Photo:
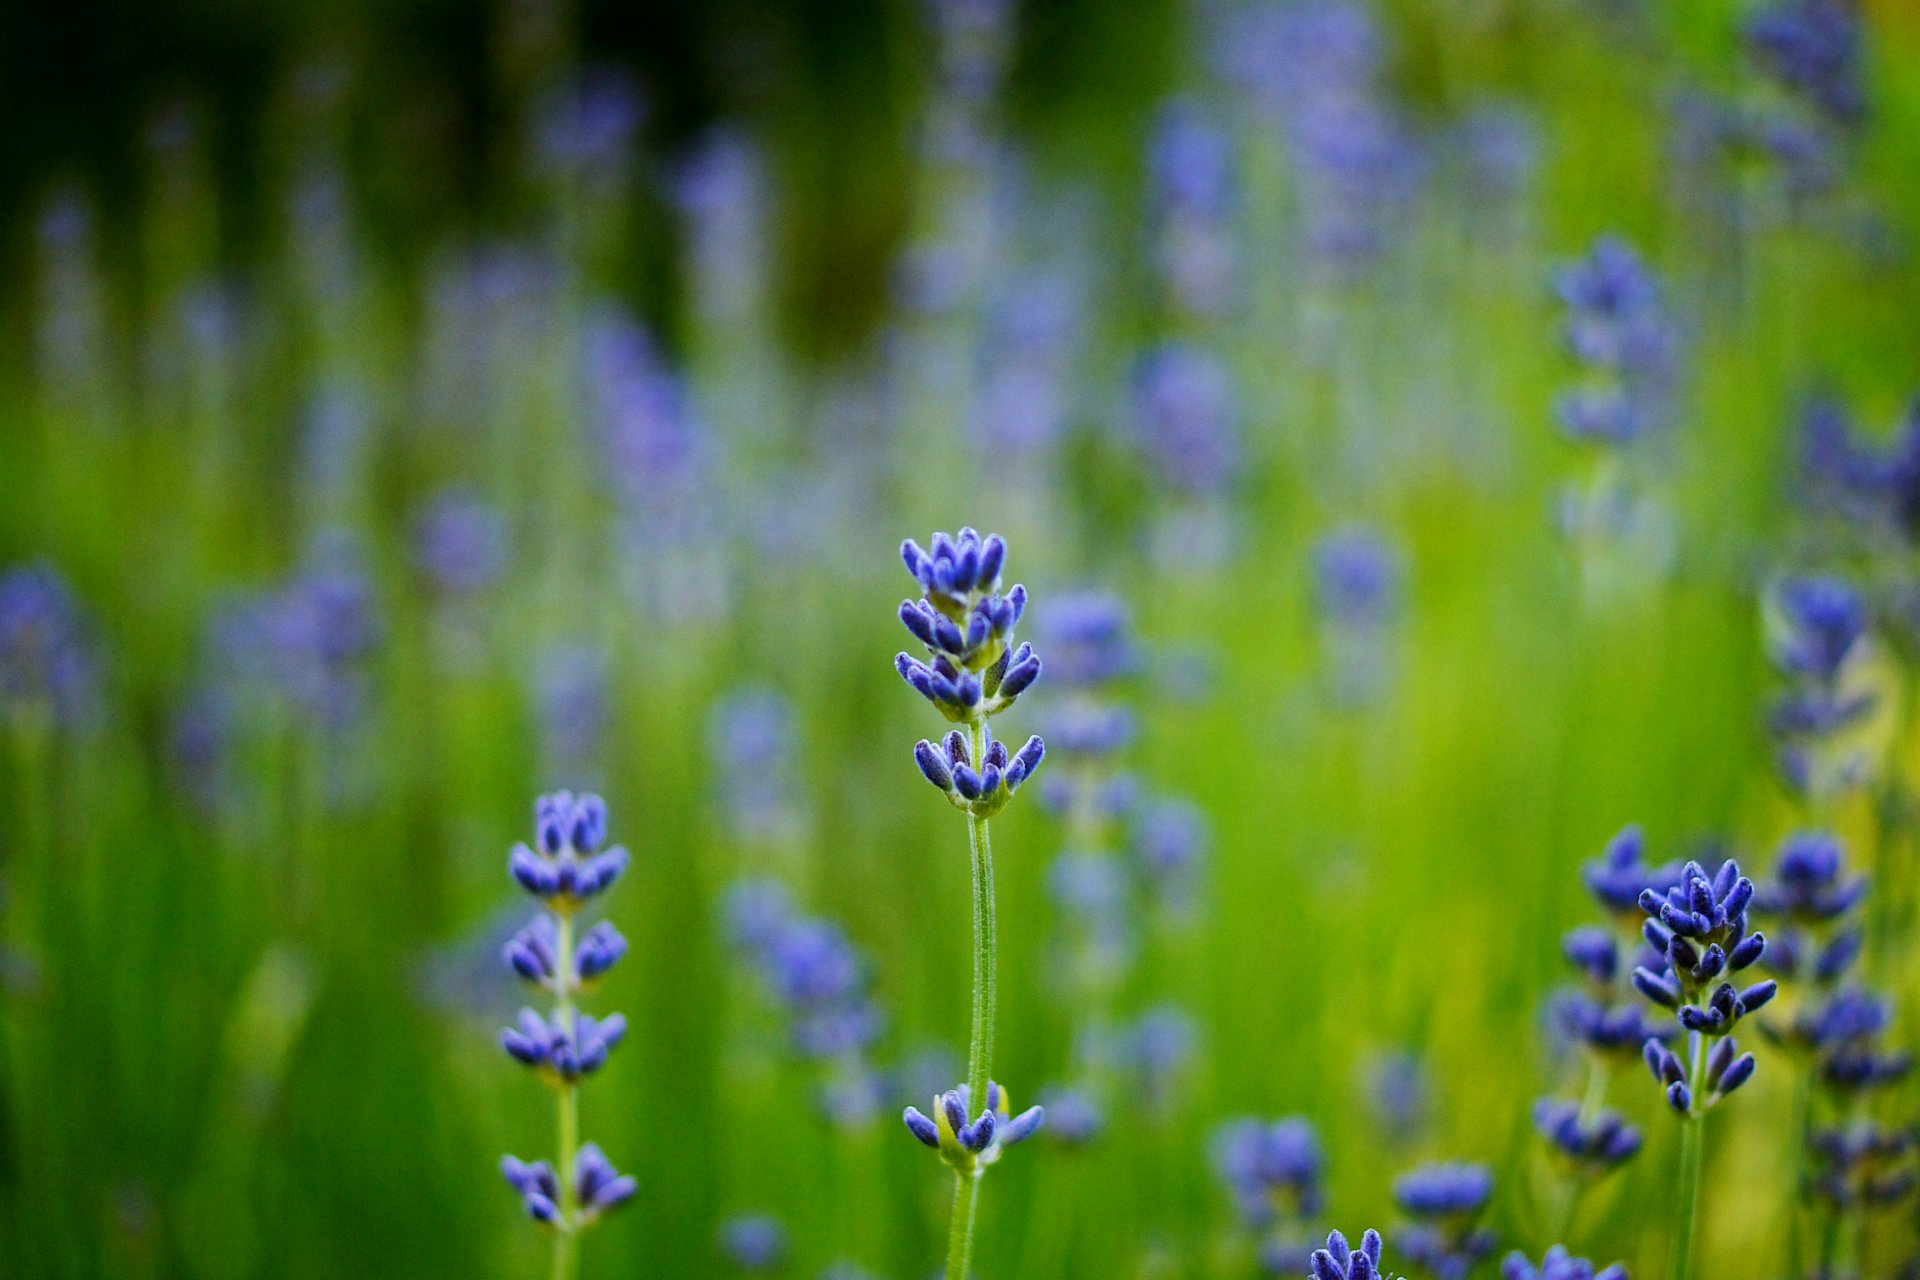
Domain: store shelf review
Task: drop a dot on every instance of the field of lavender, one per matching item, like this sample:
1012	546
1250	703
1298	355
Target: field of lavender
1424	738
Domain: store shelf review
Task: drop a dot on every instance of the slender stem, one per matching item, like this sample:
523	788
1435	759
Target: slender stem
966	1193
566	1235
966	1198
1598	1075
1691	1140
1796	1194
985	975
1829	1239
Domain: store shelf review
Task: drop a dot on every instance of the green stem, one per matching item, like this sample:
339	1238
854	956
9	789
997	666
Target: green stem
1802	1126
566	1234
966	1193
1692	1139
966	1198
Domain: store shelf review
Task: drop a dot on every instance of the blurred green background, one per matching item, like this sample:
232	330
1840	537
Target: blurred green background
277	277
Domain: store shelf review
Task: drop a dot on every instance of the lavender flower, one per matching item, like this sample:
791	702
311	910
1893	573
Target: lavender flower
973	671
565	868
1190	165
1621	874
1862	1166
460	543
1340	1261
821	983
1444	1201
46	655
1588	1146
1357	591
1398	1093
754	1242
1188	413
750	734
971	1146
586	128
571	697
1699	929
1074	1115
1618	332
597	1186
1170	841
1273	1170
1814	49
981	789
967	626
1557	1265
1821	631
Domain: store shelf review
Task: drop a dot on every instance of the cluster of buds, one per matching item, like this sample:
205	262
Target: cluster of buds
568	869
972	669
1557	1265
597	1186
1821	632
531	953
1699	929
563	1049
969	1146
983	790
1444	1202
1341	1261
1588	1146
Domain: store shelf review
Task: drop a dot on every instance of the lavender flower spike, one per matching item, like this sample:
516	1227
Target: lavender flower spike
564	1047
973	669
1341	1261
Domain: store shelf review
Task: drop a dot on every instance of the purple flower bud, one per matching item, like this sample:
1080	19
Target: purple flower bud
933	765
922	1128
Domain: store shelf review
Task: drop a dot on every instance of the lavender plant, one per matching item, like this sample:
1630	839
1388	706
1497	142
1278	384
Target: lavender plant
1274	1172
972	672
1699	930
566	869
1822	623
1341	1261
1600	1017
1620	337
1558	1264
1443	1203
820	981
1851	1165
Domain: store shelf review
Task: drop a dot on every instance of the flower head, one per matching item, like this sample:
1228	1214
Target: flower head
1443	1201
966	1145
1340	1261
1814	49
972	670
1557	1265
45	657
1271	1168
1618	877
982	789
566	866
563	1049
754	1242
1823	620
1699	928
1590	1147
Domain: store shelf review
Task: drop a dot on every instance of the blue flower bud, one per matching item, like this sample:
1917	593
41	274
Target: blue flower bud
1020	678
928	757
922	1128
1659	988
955	1110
